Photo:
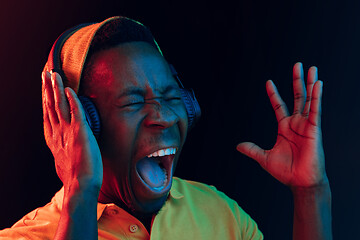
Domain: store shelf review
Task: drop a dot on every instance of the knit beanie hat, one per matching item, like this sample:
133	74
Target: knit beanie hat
70	51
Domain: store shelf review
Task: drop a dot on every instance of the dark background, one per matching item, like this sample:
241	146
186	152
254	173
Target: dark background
225	51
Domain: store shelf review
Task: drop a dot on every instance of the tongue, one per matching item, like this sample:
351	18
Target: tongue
151	172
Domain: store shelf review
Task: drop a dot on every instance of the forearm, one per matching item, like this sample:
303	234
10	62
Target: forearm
79	214
312	213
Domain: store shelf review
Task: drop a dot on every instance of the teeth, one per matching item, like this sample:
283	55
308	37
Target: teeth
163	152
167	151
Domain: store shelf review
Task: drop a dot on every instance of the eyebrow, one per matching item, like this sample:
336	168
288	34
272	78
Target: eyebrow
131	91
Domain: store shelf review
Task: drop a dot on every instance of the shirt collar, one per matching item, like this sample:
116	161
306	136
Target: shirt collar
174	193
59	196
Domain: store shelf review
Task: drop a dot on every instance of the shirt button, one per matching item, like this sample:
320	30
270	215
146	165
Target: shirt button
113	212
133	228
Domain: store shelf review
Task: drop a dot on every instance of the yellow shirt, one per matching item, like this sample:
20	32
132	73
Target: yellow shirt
192	211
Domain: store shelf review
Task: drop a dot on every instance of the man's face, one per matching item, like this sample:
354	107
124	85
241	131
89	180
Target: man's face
141	112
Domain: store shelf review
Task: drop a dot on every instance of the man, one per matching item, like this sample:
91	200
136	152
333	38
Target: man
121	185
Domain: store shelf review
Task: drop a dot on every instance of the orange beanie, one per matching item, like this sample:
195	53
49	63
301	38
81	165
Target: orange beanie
75	50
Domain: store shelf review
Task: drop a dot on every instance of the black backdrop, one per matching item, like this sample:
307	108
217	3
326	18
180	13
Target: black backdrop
225	50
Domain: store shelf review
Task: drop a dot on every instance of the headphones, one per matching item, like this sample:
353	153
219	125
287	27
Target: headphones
92	117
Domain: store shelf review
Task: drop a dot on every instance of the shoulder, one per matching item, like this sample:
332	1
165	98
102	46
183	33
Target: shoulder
206	198
195	205
40	223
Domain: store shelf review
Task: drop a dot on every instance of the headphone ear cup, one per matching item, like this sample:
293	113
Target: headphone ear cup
192	106
91	114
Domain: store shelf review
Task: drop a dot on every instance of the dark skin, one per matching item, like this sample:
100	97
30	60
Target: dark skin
141	111
137	123
297	158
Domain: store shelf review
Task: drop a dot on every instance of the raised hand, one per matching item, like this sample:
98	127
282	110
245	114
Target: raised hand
297	158
74	147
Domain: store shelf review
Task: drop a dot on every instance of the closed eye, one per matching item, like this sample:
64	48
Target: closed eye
173	98
132	104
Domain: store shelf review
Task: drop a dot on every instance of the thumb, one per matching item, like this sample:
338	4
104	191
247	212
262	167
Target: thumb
252	151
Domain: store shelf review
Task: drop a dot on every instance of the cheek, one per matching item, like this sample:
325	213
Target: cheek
183	121
116	138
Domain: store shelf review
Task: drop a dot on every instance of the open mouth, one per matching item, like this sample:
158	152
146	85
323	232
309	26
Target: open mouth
155	170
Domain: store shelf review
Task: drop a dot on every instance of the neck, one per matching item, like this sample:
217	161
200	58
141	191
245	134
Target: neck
144	218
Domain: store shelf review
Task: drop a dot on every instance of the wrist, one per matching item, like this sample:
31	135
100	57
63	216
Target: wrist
312	197
82	185
79	193
323	187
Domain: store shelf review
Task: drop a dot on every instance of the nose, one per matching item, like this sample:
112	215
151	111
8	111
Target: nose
159	115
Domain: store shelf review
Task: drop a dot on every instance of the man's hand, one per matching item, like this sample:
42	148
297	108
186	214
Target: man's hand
297	159
76	152
77	159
